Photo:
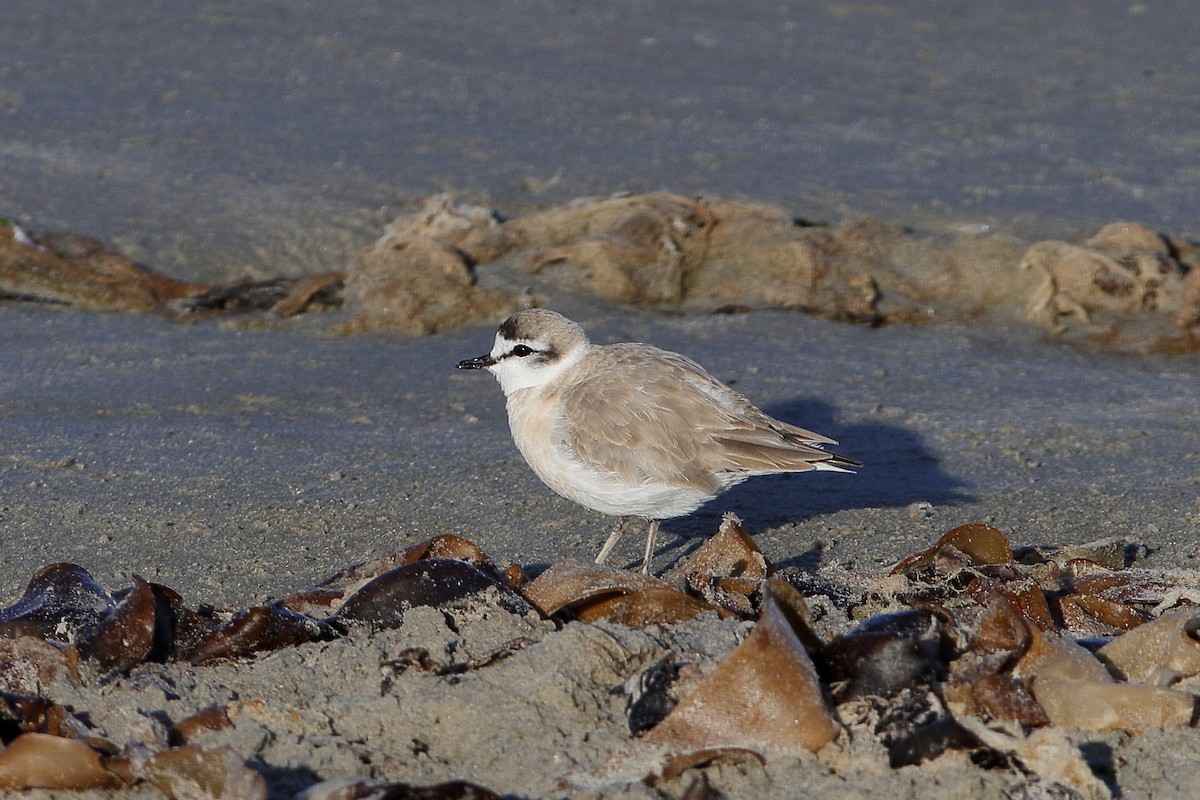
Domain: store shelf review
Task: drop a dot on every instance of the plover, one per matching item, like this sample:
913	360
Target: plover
630	430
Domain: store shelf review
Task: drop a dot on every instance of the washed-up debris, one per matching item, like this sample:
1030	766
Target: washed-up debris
355	788
72	270
1127	287
764	697
966	647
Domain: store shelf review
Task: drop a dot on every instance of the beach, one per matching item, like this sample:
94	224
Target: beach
242	458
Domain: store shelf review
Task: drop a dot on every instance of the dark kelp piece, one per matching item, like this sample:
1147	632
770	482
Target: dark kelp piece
255	630
438	582
327	594
60	600
124	638
883	656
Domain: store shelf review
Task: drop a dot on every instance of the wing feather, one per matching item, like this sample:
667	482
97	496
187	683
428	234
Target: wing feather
652	416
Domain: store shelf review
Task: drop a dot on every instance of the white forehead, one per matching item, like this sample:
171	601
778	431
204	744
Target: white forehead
503	344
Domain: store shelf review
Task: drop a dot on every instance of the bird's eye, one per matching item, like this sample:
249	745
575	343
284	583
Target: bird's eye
522	350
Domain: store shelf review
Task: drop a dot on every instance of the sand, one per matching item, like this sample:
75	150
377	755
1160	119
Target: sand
243	459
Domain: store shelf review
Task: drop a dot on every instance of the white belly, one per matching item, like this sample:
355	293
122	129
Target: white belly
591	486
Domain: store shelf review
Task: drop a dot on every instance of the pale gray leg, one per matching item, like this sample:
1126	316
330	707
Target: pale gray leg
611	541
649	546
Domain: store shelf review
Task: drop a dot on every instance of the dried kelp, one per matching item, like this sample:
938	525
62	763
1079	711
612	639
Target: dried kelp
60	601
72	270
43	761
965	646
1127	287
764	697
439	582
665	249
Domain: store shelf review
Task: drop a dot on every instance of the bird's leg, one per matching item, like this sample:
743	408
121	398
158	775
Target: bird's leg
649	546
611	541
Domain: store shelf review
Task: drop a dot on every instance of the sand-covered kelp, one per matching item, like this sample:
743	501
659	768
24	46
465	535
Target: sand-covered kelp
1127	287
969	649
71	270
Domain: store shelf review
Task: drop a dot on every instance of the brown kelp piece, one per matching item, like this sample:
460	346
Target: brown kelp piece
190	772
60	600
981	544
1135	588
448	545
660	606
1000	628
594	592
1089	615
569	583
730	552
73	270
207	720
254	630
43	761
123	639
1005	697
727	570
764	696
980	679
439	582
